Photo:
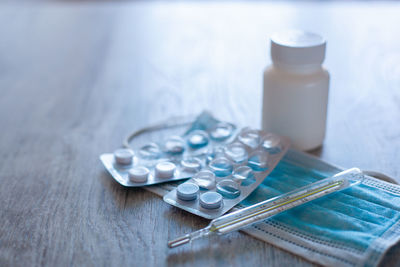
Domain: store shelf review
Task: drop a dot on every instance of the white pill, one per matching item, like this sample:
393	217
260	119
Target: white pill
138	174
187	191
165	170
211	200
123	156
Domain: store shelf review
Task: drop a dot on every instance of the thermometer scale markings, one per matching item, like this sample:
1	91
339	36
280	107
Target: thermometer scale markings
338	183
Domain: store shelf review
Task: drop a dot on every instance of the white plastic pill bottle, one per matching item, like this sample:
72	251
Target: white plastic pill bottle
296	86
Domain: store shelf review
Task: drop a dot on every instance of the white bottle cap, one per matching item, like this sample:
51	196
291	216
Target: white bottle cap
297	48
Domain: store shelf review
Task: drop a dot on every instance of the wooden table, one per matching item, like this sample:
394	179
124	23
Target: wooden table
76	77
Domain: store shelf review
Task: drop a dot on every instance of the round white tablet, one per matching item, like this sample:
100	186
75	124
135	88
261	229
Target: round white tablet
211	200
187	191
165	169
123	156
138	174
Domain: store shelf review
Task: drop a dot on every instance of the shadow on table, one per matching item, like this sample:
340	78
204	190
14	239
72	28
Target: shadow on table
182	217
219	248
124	197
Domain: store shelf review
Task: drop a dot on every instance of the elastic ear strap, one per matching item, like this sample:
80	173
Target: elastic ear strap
380	176
171	123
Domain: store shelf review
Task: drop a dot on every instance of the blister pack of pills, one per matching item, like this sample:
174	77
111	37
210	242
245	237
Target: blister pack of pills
231	173
173	158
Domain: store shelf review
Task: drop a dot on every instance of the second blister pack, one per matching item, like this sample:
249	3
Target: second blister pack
231	172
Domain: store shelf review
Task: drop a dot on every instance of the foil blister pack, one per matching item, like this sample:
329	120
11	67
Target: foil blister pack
174	158
231	172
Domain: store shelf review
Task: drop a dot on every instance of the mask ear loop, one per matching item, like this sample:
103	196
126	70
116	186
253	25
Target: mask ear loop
170	123
380	176
186	120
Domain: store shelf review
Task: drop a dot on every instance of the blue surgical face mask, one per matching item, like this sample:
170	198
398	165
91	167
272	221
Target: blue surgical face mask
354	227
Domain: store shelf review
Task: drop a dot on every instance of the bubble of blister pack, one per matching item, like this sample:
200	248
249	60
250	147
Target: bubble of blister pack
138	174
243	175
258	160
272	143
250	137
150	151
191	164
174	145
187	191
123	156
221	166
205	179
236	152
197	139
228	189
222	131
211	200
214	152
165	169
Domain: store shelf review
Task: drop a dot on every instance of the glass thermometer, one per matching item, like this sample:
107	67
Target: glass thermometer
265	209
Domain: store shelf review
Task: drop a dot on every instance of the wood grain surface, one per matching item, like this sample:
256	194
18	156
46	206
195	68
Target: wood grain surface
76	77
